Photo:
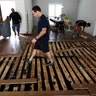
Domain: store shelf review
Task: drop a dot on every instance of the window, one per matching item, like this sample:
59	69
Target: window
55	10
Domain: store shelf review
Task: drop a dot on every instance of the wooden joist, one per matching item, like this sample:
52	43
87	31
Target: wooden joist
74	63
90	87
68	49
18	81
47	93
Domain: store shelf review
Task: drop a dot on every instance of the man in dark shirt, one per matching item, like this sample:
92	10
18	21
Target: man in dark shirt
41	40
82	23
16	20
80	26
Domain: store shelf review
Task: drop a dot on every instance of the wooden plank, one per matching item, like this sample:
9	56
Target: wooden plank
82	80
68	77
1	58
65	47
83	86
54	48
39	74
33	72
30	49
20	68
15	66
56	86
65	71
90	87
74	44
72	74
47	93
82	63
18	81
33	69
87	60
91	53
46	81
58	66
70	62
75	74
88	55
59	74
77	71
26	67
68	49
19	71
7	68
51	47
26	49
54	81
2	68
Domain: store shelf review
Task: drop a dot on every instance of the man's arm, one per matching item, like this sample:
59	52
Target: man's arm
10	16
19	16
43	31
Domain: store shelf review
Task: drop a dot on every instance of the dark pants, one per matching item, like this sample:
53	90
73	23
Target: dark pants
16	27
42	45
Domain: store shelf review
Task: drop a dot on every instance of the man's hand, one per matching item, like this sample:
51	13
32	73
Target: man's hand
34	40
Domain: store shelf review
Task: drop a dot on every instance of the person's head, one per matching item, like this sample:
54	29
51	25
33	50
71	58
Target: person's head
36	10
88	24
12	9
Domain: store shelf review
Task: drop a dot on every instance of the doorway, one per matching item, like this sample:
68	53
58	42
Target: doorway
6	9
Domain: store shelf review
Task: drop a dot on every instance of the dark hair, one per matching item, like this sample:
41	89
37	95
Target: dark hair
88	24
36	8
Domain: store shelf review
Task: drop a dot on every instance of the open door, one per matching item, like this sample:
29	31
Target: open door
6	10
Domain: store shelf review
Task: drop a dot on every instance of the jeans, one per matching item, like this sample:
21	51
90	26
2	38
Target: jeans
16	27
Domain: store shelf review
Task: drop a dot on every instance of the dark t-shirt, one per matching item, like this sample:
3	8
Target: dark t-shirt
16	18
81	23
43	23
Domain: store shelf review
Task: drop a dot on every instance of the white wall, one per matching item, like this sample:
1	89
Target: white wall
28	10
70	7
87	12
20	7
24	7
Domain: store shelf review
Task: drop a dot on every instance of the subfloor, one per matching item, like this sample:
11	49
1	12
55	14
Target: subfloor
73	72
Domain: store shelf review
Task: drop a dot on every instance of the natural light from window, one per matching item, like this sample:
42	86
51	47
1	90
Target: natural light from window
6	10
55	10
